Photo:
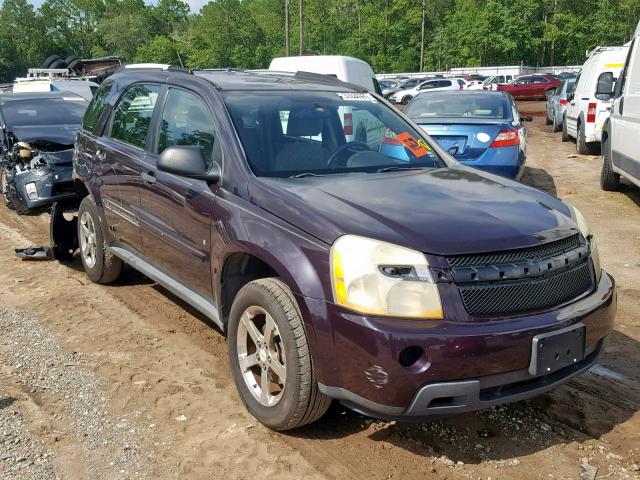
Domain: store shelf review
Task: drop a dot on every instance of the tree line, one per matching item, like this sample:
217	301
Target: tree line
392	35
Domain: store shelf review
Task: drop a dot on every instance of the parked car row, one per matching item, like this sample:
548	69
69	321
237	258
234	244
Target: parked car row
364	265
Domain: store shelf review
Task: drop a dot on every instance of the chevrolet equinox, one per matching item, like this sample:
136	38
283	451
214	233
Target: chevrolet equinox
344	253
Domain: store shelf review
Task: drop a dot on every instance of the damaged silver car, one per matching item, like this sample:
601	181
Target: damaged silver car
37	133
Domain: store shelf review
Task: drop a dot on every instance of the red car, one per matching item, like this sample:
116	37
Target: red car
532	87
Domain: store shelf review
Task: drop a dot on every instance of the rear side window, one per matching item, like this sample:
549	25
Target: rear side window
132	115
444	83
186	121
95	108
539	80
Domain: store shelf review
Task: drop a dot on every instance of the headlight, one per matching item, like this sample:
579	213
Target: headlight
379	278
585	230
32	192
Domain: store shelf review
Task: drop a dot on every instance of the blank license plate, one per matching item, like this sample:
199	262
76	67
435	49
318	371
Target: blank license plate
556	350
449	141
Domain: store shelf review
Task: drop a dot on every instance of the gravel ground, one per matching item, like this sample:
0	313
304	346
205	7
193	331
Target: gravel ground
42	369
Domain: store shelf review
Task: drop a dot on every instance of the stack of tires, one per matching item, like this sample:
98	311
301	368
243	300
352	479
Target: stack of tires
73	63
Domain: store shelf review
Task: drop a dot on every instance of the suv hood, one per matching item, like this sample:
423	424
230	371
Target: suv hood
444	211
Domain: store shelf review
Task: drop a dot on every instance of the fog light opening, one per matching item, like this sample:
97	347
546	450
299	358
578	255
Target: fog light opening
413	357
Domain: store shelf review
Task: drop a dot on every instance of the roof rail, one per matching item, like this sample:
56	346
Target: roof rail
156	66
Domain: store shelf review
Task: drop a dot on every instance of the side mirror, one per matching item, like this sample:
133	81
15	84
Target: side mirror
188	161
604	88
570	96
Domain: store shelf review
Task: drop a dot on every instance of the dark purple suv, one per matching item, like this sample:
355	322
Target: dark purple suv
342	251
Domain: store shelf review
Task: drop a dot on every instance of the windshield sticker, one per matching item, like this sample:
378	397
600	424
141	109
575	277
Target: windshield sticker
358	97
418	147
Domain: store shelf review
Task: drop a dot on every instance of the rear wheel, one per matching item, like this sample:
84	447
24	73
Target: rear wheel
565	134
609	180
270	359
582	147
547	120
100	265
556	128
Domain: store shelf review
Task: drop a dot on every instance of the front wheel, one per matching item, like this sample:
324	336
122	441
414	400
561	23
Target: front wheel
100	265
609	180
4	188
406	99
270	359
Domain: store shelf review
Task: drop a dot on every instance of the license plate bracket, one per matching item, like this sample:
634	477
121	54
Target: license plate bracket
555	350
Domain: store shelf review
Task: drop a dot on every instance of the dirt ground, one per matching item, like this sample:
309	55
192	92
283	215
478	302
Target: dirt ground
162	380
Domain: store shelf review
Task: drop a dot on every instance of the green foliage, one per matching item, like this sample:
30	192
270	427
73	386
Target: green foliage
249	33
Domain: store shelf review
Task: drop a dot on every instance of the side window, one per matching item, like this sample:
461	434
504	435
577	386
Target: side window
95	108
186	121
445	83
132	115
539	80
623	75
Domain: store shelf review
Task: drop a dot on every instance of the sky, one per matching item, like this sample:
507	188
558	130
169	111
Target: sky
194	4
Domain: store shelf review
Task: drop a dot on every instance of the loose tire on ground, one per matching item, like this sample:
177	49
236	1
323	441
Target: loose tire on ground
609	180
100	266
299	402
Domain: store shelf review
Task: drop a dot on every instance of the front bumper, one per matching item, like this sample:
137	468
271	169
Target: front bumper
52	184
467	366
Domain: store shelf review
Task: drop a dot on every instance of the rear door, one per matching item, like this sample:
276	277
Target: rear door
122	149
176	211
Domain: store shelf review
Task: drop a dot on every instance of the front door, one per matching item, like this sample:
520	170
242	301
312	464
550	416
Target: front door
122	152
176	211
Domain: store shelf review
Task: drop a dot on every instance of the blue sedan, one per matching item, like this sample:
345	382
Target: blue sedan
482	129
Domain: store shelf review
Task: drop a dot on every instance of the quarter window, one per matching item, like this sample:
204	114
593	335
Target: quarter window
95	108
132	115
186	121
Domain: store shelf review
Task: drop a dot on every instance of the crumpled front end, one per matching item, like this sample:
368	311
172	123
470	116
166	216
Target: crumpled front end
34	184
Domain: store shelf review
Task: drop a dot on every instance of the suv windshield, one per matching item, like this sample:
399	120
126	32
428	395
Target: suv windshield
469	105
44	111
296	133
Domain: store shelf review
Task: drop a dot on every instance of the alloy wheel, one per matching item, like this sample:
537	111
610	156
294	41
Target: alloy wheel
88	245
261	356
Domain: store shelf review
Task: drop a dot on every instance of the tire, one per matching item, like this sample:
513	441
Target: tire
555	127
47	63
565	134
547	121
100	265
4	190
582	147
70	59
609	180
298	401
58	64
75	65
406	99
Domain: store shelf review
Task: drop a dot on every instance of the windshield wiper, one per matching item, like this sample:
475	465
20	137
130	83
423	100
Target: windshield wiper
306	174
395	169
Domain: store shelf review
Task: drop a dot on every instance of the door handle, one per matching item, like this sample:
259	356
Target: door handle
148	177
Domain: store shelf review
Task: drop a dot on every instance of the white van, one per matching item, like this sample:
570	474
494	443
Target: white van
586	112
347	69
358	124
620	151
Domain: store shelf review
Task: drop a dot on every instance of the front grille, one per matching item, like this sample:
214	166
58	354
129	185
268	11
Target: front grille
509	256
512	297
60	188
